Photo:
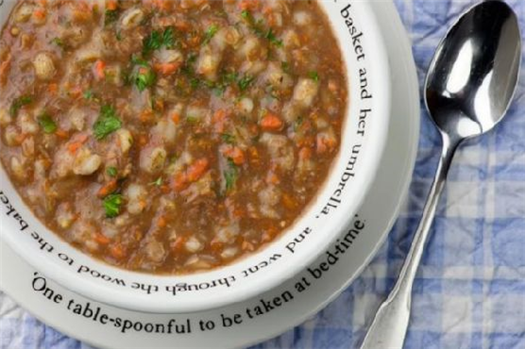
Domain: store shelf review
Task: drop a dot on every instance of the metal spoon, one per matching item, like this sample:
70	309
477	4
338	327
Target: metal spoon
469	87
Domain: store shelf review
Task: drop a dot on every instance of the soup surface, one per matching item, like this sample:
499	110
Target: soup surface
169	136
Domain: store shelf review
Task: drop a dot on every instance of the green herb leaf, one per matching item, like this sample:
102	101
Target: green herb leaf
107	122
136	60
192	120
144	78
156	40
231	174
286	67
88	94
314	76
112	171
112	205
151	43
168	39
194	83
245	82
110	16
270	35
298	124
58	42
246	14
157	182
228	138
210	33
19	103
47	124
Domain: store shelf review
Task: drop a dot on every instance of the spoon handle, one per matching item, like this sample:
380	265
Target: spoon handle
389	327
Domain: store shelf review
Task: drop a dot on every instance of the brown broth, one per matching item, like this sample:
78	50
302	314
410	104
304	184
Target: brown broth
169	136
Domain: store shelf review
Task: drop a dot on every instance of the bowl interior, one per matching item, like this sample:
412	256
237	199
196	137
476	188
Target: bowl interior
363	140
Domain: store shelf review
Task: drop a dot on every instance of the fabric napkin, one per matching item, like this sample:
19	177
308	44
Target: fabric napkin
470	290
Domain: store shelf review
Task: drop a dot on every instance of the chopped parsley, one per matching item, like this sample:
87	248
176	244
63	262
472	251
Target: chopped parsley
246	15
286	67
46	123
270	35
107	122
257	26
228	138
58	42
192	120
19	103
88	94
156	40
231	174
112	205
210	33
144	77
225	80
110	16
298	123
314	76
112	171
157	182
194	83
245	82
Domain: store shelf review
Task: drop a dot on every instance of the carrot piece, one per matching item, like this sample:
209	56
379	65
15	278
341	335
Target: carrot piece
107	189
271	122
248	4
178	244
219	120
272	178
77	143
99	68
305	153
146	115
197	169
101	239
4	67
325	144
289	202
62	133
182	25
53	88
254	155
236	154
180	182
117	252
39	14
74	147
167	68
111	5
175	117
143	140
216	246
161	222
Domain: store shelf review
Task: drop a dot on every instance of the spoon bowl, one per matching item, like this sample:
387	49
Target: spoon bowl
472	78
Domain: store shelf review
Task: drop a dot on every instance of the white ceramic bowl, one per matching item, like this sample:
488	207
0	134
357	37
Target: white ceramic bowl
364	136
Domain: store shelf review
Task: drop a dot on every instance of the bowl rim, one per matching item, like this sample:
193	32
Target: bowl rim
145	303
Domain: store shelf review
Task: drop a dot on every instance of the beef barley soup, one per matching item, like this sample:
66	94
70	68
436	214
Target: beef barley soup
169	136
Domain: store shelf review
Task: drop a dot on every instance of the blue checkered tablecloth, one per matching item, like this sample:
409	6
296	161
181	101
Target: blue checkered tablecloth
470	291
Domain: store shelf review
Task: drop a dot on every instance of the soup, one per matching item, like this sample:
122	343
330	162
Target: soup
169	136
